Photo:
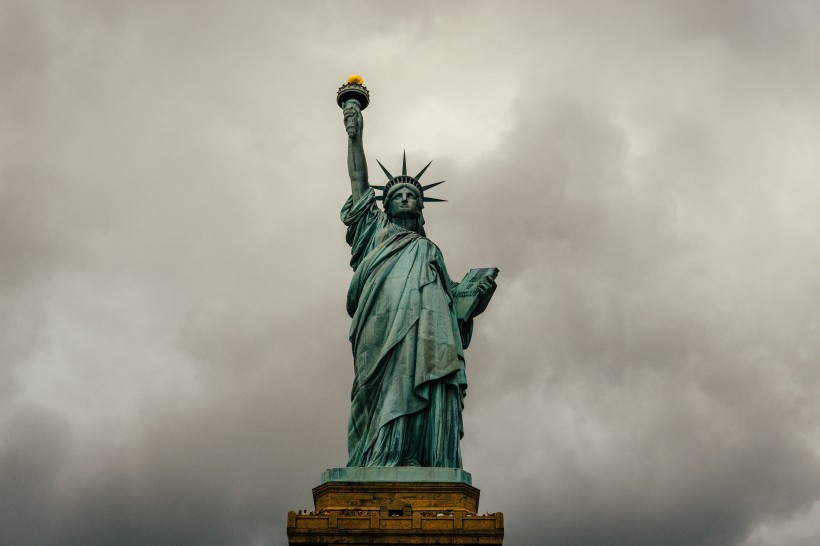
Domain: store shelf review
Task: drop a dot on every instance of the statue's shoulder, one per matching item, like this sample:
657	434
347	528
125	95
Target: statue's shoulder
364	209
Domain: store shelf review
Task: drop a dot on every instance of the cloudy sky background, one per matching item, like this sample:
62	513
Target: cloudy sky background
174	363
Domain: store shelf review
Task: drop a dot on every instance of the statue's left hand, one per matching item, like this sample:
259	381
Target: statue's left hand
486	288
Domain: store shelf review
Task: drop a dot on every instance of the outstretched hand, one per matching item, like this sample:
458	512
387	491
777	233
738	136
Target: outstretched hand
354	123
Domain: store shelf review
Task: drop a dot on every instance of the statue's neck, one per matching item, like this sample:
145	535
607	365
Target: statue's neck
410	224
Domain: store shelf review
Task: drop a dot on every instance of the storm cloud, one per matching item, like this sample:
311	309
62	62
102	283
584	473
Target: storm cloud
174	362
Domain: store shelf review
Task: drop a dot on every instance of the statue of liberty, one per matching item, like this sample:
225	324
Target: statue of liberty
409	329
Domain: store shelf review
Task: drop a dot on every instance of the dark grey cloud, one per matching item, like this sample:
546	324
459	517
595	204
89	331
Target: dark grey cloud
173	342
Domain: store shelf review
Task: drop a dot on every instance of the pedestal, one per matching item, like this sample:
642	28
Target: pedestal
395	505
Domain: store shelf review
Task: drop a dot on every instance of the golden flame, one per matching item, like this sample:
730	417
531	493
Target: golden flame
355	78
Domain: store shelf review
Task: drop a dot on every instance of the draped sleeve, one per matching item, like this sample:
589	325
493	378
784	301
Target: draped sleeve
363	219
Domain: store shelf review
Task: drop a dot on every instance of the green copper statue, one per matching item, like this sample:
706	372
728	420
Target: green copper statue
411	322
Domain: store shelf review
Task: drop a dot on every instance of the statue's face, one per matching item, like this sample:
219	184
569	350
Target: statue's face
404	203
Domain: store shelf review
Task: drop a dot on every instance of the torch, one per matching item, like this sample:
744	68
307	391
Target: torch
353	90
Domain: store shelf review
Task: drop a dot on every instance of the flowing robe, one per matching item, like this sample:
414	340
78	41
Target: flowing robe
408	346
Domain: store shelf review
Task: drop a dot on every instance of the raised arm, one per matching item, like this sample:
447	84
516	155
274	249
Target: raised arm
356	164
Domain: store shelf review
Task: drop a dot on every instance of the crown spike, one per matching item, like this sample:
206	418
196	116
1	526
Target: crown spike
433	185
433	200
418	176
404	163
389	176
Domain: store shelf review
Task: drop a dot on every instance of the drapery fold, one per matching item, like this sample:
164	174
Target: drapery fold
410	378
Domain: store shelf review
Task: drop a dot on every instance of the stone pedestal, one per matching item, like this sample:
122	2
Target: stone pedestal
397	505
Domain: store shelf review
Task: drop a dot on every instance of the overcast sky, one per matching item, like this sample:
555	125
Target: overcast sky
174	361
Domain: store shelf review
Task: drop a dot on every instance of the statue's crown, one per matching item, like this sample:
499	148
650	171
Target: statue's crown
394	181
